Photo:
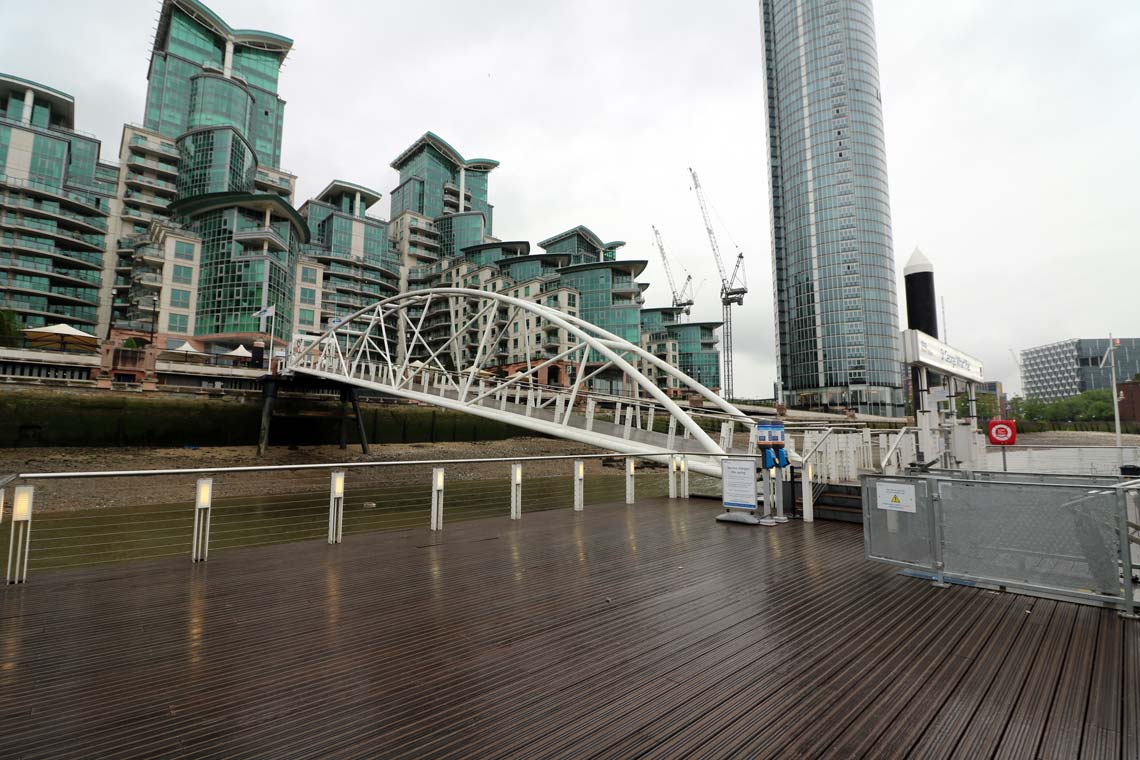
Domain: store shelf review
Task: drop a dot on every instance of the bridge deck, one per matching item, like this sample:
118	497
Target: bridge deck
644	631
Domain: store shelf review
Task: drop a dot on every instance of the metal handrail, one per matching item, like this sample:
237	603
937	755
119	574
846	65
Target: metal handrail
894	447
341	465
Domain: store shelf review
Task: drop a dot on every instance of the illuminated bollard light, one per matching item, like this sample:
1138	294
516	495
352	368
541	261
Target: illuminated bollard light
629	480
516	491
20	537
579	485
336	507
203	506
437	498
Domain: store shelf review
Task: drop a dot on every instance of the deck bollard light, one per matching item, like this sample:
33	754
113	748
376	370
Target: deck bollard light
203	505
684	476
20	537
437	498
579	483
629	480
516	491
336	507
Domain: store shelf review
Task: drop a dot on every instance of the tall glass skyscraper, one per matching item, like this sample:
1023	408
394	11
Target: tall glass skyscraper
832	259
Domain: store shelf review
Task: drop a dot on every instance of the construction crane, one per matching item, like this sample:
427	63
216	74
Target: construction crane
732	289
683	298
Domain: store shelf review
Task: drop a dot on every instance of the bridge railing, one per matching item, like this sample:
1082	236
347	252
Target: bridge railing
194	512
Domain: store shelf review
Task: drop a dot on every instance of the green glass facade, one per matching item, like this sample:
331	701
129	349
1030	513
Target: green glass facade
54	207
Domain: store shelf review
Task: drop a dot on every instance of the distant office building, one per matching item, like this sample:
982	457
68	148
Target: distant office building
1071	367
833	263
994	388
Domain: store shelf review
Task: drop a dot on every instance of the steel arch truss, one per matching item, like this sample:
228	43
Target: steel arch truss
446	347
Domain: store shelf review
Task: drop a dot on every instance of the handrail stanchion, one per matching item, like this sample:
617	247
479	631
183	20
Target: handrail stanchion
805	482
934	499
203	506
629	480
579	485
20	538
673	467
1129	609
778	485
437	498
336	506
684	476
516	491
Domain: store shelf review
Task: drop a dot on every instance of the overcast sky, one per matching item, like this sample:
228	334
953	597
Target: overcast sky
1011	134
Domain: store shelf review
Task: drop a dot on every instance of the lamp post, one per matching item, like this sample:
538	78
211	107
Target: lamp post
153	316
111	312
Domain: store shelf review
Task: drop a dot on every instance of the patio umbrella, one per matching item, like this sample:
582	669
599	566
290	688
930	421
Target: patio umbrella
186	352
241	352
60	336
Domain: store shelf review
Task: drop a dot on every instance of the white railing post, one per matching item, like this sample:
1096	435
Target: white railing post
590	404
649	419
726	435
579	485
629	466
672	433
684	476
674	465
203	506
558	407
516	491
437	498
20	537
752	439
628	422
336	506
805	482
778	484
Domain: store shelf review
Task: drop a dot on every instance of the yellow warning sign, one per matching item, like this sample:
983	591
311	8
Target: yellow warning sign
895	500
896	496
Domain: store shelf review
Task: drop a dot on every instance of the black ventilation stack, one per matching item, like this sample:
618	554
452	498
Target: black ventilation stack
921	307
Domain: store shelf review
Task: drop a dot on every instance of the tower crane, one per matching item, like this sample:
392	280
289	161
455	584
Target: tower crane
733	288
683	298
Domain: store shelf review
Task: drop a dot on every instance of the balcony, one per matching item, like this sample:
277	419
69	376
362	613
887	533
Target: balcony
150	255
146	200
85	223
140	143
130	212
147	279
49	191
262	235
162	168
50	230
150	183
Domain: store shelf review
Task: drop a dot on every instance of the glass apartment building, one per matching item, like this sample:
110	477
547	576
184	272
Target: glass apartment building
55	202
1071	367
832	258
194	231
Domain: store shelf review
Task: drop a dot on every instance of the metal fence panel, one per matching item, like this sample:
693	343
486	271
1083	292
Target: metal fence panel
1040	535
889	535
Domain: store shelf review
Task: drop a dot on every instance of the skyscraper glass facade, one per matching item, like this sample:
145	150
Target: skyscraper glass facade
833	262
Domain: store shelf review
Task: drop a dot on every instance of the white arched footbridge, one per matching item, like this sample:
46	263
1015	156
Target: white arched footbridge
448	347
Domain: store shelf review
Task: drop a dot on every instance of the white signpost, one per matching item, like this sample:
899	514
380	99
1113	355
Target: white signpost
738	488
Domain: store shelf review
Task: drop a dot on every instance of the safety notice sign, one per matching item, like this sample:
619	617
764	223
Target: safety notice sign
898	497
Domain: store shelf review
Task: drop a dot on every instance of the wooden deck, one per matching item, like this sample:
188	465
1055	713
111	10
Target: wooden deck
648	631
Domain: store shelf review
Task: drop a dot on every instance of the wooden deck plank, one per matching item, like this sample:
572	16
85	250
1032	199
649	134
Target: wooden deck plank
623	631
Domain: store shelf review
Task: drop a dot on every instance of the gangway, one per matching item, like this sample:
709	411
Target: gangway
447	347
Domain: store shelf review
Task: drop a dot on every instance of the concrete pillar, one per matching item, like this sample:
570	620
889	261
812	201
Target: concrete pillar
29	106
228	65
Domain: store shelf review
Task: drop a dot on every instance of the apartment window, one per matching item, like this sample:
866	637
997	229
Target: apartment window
308	295
308	275
176	323
306	316
183	250
179	299
182	275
